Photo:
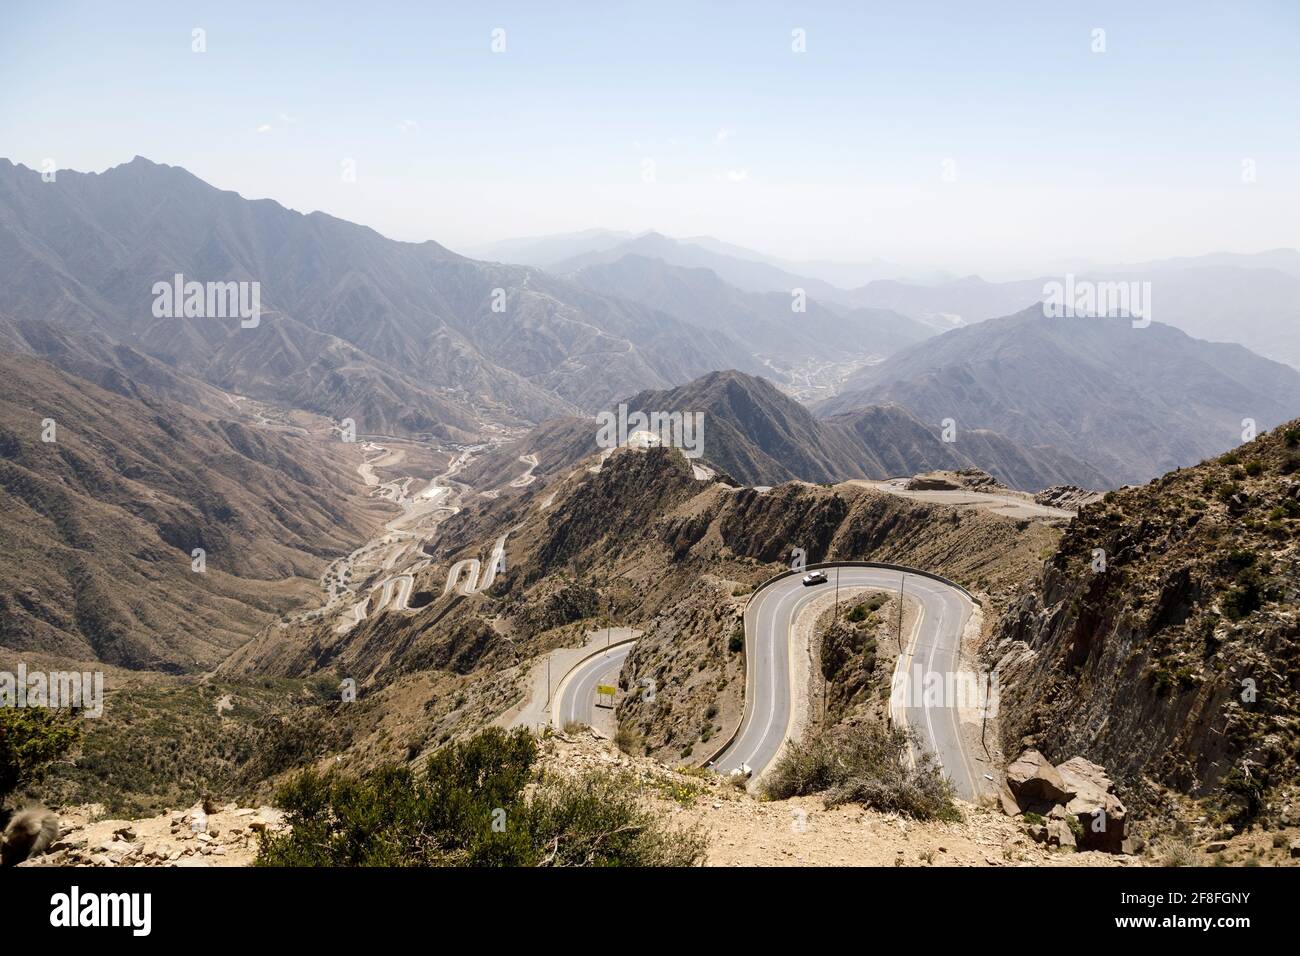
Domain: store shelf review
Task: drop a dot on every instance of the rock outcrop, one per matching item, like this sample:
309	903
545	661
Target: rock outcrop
1076	800
1070	497
1033	779
227	836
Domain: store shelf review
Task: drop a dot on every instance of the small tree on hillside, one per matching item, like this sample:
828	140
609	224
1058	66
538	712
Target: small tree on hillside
31	738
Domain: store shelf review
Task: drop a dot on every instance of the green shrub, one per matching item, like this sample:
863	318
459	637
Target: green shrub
864	764
470	809
31	738
864	610
1228	490
598	820
736	643
1238	559
1245	792
1246	597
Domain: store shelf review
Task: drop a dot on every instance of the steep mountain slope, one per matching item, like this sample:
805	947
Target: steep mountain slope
765	322
1177	661
897	443
100	524
1134	402
91	355
410	335
758	435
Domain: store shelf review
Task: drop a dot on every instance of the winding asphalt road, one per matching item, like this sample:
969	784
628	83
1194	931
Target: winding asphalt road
934	646
575	699
469	568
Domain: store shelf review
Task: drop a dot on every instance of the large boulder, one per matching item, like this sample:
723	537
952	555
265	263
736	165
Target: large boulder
1033	779
1094	805
1060	834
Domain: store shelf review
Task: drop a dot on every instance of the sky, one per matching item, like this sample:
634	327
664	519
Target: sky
934	135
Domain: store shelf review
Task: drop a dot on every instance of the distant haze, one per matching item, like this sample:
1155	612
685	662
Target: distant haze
934	135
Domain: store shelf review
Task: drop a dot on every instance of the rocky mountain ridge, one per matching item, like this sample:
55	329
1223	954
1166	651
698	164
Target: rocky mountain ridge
1161	639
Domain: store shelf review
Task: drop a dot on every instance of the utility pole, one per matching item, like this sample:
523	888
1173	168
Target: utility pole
902	581
836	615
835	618
609	616
984	706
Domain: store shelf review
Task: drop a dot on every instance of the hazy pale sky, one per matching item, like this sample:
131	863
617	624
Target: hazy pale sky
1054	153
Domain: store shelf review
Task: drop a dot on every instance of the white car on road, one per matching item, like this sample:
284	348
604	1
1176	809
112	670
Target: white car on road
814	577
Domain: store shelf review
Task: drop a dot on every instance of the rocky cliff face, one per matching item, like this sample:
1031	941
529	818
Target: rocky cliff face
1161	640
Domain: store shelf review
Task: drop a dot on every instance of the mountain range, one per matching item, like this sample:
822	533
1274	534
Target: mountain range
406	338
757	435
1134	402
780	329
766	273
414	339
1253	300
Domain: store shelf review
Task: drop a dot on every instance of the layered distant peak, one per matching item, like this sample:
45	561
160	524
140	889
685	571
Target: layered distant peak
758	435
1253	300
789	332
1131	401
